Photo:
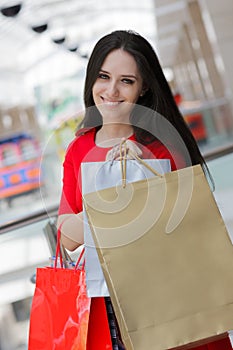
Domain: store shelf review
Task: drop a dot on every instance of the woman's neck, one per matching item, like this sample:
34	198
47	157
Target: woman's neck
110	135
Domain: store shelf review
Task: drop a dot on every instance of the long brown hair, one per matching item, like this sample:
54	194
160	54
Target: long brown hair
156	114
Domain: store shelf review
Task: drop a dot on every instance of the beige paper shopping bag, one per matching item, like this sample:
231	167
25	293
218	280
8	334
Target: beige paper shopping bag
167	259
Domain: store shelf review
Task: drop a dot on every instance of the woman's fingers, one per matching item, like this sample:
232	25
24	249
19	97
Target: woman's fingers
113	153
131	146
125	149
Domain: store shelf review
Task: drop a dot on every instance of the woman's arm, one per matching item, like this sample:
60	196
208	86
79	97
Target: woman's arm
71	226
70	217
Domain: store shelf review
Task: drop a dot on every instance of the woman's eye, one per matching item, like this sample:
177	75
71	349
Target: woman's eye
128	81
103	76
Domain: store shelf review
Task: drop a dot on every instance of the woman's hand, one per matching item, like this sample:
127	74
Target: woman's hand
126	148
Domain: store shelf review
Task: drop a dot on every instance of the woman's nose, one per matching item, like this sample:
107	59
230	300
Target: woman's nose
113	89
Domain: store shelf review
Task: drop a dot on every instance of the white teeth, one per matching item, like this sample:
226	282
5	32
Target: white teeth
110	103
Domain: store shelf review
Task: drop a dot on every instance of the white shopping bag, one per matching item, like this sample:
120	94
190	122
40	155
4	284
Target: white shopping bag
97	176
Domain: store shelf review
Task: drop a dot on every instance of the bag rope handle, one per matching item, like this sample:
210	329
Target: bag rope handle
123	162
123	159
140	160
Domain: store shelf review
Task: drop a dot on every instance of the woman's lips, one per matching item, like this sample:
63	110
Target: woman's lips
111	102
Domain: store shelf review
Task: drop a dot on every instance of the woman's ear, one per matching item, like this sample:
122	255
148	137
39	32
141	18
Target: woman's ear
144	90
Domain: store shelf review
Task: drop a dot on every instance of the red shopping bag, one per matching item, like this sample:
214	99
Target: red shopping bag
98	330
60	309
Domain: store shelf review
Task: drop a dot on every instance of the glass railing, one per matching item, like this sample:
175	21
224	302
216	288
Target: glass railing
220	165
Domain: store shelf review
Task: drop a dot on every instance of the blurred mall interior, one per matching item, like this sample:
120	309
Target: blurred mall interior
44	50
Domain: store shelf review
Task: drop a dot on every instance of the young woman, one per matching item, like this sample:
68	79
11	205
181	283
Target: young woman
127	98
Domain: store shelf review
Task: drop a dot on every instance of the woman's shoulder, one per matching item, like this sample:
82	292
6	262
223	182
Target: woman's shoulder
83	136
84	139
85	133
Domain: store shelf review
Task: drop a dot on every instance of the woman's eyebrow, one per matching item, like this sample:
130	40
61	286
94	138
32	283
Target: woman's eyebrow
122	75
129	76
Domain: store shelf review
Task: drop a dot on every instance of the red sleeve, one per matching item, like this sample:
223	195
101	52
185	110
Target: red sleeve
82	149
68	202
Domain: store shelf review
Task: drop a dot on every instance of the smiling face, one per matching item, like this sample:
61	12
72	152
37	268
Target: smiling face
118	87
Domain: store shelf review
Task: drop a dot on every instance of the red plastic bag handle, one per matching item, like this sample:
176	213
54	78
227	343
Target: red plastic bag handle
58	252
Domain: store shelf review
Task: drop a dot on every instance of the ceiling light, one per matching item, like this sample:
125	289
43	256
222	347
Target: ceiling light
84	55
40	28
73	48
11	11
59	40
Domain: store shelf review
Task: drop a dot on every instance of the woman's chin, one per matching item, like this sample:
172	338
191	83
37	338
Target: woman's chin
115	112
